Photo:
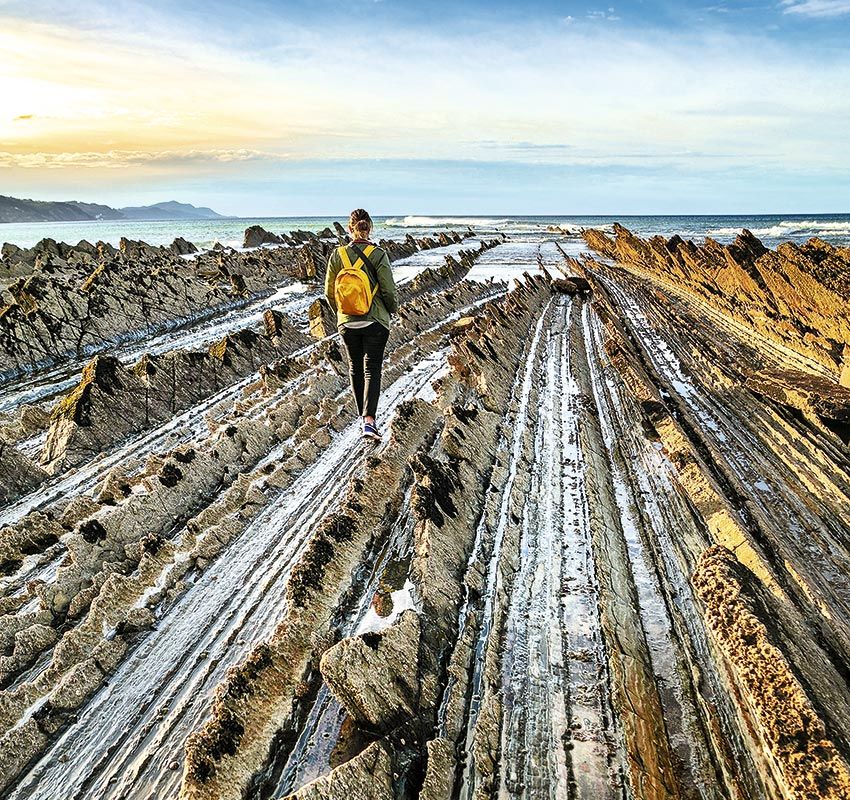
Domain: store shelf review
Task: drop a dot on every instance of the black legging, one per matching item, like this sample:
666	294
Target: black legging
365	356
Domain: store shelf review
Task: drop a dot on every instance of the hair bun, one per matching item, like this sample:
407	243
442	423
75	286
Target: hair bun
360	220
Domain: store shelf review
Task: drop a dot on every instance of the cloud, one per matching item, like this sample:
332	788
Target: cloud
113	159
523	146
618	94
608	15
817	8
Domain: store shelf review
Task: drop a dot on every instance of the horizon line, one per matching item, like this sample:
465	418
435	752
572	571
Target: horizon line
467	215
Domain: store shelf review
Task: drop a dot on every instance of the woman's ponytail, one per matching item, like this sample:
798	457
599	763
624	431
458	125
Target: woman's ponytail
360	223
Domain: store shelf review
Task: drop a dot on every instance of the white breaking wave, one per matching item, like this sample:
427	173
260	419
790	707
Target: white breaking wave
445	222
808	228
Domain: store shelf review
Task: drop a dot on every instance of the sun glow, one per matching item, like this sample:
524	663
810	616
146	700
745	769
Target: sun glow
66	93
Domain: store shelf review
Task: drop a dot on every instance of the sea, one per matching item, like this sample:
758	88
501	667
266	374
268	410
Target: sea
771	229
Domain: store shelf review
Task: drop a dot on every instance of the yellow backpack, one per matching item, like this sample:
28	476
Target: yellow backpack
353	290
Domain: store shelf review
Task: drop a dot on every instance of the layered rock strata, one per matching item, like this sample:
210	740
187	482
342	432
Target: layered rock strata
67	310
453	270
778	627
251	708
797	295
112	401
130	548
752	758
72	301
602	554
755	635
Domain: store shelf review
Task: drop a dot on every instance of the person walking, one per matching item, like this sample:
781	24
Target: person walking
359	287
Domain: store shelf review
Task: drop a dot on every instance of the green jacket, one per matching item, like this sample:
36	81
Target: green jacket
385	301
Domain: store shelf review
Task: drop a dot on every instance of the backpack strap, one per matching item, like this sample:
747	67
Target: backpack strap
363	256
343	254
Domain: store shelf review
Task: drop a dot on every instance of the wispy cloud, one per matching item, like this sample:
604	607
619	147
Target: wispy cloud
114	159
523	147
605	14
592	93
817	8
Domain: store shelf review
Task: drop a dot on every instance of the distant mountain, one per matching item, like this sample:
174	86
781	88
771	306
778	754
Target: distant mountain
97	211
169	210
13	209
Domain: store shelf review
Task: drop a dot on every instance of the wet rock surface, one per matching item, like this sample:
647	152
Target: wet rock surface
600	553
350	667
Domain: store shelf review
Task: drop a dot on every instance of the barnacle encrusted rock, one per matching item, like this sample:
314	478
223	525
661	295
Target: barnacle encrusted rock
738	614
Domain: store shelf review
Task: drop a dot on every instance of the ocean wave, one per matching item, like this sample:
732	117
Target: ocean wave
797	228
521	227
446	222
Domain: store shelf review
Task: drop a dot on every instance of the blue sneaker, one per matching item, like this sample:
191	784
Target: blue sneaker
370	431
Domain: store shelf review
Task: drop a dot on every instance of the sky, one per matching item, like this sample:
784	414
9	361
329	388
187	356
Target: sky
268	107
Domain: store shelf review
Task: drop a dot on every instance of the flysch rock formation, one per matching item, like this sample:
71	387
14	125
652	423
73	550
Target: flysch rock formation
124	550
112	401
155	386
797	296
83	303
601	552
317	580
58	300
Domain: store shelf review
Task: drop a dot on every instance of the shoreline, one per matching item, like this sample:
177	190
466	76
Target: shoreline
772	228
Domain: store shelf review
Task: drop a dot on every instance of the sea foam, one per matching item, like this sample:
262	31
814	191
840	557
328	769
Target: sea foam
808	228
445	222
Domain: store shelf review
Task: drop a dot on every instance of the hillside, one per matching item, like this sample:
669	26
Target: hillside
14	209
169	210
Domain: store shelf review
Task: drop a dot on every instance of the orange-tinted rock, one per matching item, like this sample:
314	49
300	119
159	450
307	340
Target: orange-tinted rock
796	295
737	613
